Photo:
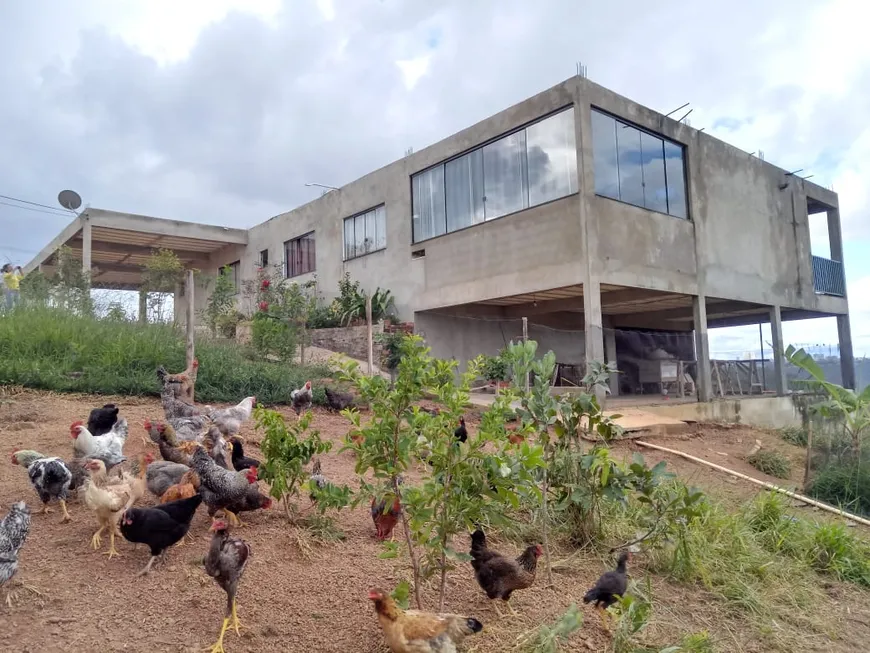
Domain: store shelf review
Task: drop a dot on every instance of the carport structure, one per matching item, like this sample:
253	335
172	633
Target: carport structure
114	246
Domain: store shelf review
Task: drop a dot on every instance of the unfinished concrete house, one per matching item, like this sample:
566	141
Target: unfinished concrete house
619	233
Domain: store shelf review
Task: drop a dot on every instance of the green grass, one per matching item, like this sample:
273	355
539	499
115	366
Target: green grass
796	435
846	486
54	350
771	462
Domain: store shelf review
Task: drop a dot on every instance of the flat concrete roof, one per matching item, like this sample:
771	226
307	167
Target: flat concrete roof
122	242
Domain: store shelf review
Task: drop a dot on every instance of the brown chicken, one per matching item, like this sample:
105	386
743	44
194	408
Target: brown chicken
412	631
385	519
164	436
500	576
186	381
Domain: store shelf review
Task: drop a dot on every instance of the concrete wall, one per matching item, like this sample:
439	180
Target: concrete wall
352	341
464	338
746	240
764	412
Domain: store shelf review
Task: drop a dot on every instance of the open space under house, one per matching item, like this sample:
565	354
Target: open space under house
619	233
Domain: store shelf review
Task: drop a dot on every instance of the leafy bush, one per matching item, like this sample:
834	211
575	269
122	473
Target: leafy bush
221	302
771	462
494	368
550	638
282	310
795	435
52	349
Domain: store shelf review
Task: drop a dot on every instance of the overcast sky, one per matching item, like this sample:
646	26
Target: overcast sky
221	110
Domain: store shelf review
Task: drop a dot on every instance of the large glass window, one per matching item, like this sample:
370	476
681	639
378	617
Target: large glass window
528	167
365	233
463	178
429	215
638	167
552	155
299	255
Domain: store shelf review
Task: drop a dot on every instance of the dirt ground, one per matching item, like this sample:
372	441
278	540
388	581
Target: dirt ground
290	601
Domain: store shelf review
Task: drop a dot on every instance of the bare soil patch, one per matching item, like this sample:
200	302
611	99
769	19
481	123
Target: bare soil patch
314	601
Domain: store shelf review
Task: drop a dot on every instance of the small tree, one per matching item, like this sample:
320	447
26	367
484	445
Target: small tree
163	272
283	308
71	286
221	303
287	449
466	483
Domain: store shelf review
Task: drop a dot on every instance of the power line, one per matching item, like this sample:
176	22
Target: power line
27	208
45	206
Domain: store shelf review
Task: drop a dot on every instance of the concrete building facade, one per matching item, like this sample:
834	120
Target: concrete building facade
580	210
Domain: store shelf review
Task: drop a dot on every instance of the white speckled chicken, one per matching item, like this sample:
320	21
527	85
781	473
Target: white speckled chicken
13	533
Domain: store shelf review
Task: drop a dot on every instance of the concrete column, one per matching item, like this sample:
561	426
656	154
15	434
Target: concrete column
847	357
610	357
86	248
702	348
594	331
835	235
778	351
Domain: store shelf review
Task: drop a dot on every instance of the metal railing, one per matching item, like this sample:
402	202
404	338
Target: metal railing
828	277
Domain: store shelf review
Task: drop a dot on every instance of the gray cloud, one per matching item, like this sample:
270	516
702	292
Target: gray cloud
231	133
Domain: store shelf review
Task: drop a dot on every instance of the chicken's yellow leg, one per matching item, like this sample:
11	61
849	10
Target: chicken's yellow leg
45	509
511	608
236	623
234	518
219	645
96	540
112	552
66	515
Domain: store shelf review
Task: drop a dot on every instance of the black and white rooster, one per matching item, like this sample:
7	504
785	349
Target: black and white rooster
50	476
13	532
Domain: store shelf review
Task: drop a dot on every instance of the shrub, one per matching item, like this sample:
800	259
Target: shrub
794	435
771	462
843	485
53	349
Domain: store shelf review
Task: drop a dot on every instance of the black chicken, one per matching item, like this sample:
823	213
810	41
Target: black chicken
461	433
226	562
101	420
609	586
159	527
240	460
336	400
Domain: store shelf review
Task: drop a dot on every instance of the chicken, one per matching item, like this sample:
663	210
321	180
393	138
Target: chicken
13	533
412	631
164	436
107	501
229	420
163	474
336	400
101	420
159	527
385	519
51	479
216	447
225	562
138	483
189	429
240	460
174	406
461	433
108	447
220	487
317	479
25	457
302	398
182	383
187	486
253	499
498	575
610	585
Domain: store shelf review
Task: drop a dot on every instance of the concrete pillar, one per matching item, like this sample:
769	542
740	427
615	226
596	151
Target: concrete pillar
86	248
847	357
610	357
779	380
594	331
143	306
702	349
835	235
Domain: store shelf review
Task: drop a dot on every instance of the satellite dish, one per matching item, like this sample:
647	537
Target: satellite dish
69	199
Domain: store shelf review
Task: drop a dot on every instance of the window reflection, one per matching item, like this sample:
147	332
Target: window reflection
531	166
638	167
365	233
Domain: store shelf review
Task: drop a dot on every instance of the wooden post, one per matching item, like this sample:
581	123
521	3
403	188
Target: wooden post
525	340
369	335
188	291
809	453
302	342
